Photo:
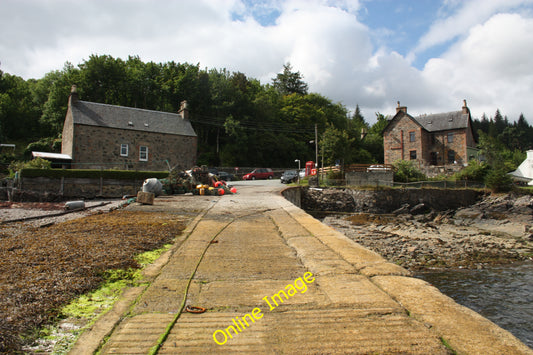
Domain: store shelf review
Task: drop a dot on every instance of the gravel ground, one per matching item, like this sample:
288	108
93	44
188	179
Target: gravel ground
496	230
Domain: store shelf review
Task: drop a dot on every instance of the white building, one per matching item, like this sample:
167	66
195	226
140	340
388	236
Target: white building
525	170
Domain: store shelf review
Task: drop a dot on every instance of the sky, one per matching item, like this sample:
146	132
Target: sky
428	54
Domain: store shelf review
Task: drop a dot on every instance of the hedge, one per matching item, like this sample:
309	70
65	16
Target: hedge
90	173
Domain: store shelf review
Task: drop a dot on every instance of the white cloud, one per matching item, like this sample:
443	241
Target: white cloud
468	15
323	39
491	67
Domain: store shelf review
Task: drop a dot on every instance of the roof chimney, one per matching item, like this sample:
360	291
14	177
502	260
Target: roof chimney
184	110
466	111
401	108
73	94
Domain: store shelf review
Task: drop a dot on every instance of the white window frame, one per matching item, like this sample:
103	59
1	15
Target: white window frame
143	153
122	146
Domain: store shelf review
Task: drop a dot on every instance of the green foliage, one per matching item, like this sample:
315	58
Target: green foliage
336	145
37	164
289	82
406	171
238	120
335	175
475	171
50	144
498	180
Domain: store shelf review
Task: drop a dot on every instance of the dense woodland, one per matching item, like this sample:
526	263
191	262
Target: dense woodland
239	121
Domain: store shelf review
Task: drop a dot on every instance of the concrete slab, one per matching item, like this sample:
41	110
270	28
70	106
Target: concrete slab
465	330
263	245
323	331
246	294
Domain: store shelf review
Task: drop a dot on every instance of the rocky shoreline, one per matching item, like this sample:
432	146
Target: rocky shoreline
495	230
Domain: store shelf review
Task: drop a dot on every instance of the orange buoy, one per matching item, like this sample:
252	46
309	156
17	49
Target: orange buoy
218	183
220	192
233	190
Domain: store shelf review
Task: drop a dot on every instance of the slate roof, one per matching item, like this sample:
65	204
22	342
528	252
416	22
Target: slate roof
443	121
103	115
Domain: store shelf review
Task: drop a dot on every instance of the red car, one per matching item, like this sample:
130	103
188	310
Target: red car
259	173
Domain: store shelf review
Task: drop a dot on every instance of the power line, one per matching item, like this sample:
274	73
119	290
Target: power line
254	126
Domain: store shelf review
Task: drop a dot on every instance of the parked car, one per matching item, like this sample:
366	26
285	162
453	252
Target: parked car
222	175
289	176
259	173
378	167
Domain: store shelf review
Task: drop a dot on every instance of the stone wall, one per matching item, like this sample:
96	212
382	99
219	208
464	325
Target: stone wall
99	147
369	178
48	189
396	142
294	195
398	145
387	200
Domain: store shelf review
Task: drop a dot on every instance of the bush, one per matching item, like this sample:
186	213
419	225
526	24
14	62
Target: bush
498	180
50	144
36	164
406	171
475	171
335	175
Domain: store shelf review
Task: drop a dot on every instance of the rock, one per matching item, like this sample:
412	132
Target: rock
146	198
421	208
402	210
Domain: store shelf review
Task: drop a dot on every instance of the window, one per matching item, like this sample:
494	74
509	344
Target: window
451	157
143	153
412	136
450	137
123	150
412	154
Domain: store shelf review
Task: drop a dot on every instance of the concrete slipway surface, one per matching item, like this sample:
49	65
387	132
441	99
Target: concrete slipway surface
241	251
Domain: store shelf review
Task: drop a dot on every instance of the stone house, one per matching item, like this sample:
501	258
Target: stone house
430	140
101	136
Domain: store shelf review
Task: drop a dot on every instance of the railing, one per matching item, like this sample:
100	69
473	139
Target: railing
443	184
358	168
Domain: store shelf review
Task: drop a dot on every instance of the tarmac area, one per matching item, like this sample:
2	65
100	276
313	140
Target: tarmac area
253	273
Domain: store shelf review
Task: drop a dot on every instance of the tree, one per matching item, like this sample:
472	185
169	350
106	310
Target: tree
336	145
290	82
55	107
18	113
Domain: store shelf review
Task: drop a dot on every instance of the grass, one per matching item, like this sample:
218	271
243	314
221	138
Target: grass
91	306
447	345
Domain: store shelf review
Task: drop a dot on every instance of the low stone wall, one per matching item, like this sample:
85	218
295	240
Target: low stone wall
294	195
386	201
51	189
370	178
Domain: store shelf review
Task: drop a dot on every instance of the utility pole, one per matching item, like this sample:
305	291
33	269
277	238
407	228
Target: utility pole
316	149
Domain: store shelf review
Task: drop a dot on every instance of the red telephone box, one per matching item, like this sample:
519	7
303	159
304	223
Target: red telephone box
309	167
